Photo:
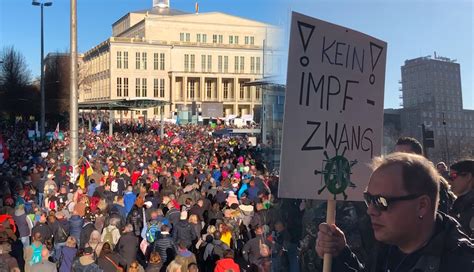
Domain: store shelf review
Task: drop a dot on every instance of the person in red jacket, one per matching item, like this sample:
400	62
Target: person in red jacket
227	263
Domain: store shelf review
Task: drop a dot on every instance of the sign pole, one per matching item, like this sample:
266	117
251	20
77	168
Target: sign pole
330	220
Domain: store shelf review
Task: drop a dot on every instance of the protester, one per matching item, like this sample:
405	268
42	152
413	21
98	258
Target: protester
461	179
68	253
86	262
402	198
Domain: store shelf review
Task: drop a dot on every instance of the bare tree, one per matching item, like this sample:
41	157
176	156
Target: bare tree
14	73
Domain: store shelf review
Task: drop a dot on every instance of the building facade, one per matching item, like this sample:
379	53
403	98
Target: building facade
179	57
432	95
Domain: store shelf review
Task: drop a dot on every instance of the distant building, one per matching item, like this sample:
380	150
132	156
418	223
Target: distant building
180	57
432	95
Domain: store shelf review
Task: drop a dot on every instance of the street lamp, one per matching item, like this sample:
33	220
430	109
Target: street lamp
43	110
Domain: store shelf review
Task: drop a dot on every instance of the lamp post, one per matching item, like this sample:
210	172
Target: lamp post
43	110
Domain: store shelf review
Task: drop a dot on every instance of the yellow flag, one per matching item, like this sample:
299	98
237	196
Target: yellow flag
82	181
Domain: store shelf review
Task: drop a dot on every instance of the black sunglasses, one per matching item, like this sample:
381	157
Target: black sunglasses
381	203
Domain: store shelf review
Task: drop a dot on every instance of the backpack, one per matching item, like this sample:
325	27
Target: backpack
109	237
61	235
36	256
152	230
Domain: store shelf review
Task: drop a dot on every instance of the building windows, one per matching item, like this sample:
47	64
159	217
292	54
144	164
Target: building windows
257	65
119	60
144	61
257	93
162	61
155	87
252	65
226	89
125	60
236	64
188	37
137	60
191	89
125	86
184	37
186	62
209	63
252	40
162	87
241	91
198	37
226	64
181	37
137	87
144	87
242	64
219	64
221	39
214	38
119	87
208	89
193	63
231	39
236	39
204	38
203	63
155	61
246	40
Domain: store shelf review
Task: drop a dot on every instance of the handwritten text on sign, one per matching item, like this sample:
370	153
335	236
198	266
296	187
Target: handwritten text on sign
333	110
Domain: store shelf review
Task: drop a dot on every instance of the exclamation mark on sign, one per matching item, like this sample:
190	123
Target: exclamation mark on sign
375	50
306	31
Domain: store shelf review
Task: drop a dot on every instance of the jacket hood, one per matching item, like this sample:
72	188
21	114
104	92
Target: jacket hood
185	253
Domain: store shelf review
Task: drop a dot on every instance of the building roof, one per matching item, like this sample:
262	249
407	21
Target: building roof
161	11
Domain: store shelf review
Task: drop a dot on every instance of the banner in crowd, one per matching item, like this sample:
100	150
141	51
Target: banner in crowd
333	110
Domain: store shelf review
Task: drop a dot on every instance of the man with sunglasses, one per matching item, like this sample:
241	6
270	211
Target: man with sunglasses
461	178
401	198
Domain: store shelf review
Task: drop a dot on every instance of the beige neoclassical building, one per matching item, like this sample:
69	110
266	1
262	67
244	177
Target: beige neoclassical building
162	53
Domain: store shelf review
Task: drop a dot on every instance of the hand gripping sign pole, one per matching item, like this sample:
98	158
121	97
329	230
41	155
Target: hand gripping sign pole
333	116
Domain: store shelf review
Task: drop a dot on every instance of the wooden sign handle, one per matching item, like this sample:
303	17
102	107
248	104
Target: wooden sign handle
330	219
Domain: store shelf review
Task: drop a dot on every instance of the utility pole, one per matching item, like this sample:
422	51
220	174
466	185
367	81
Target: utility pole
42	94
73	110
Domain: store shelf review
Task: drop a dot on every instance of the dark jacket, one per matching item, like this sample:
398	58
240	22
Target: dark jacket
135	218
127	247
75	226
22	224
448	250
251	250
106	264
67	257
86	231
166	247
197	210
463	211
44	230
184	231
173	216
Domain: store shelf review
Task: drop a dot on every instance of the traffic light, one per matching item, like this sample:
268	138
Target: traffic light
428	137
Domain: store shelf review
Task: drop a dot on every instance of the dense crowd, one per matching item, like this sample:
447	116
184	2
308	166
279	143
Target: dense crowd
187	201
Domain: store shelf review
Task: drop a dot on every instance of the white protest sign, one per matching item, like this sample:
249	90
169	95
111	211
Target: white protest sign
333	110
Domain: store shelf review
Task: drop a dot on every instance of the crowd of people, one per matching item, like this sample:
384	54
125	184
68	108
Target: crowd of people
189	201
186	202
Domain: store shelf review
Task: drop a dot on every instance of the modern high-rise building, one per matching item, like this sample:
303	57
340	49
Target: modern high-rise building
163	53
432	95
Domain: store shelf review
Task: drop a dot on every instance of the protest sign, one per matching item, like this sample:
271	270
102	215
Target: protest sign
333	110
